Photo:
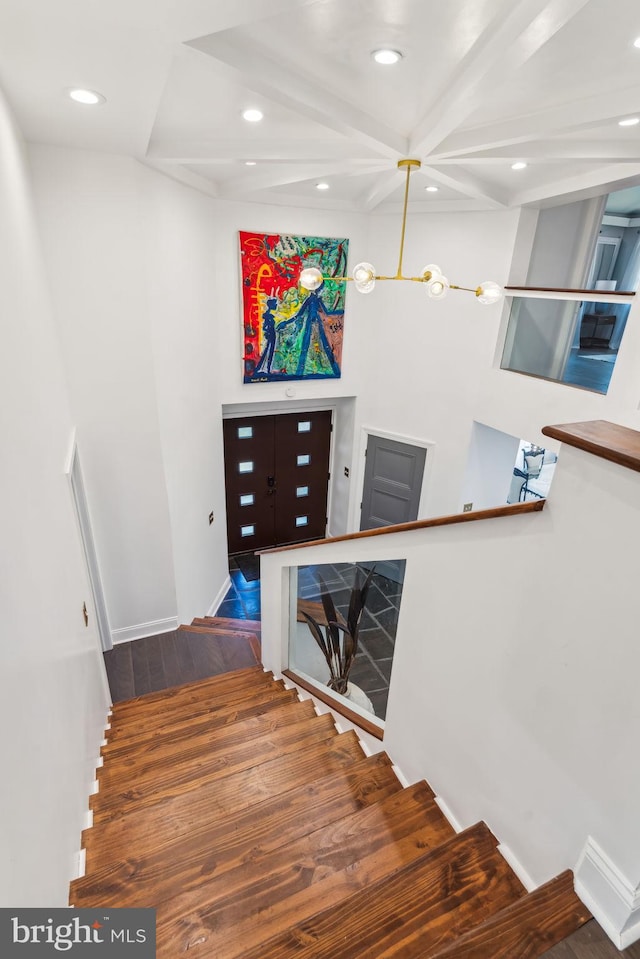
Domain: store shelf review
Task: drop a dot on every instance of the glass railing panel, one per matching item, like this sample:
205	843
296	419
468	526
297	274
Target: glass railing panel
362	680
569	341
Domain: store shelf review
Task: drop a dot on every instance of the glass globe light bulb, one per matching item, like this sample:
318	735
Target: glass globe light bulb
433	269
364	276
438	287
311	278
489	292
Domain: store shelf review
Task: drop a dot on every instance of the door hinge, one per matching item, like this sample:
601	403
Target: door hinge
328	475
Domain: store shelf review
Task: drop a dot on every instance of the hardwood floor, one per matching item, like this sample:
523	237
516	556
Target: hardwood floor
590	942
170	659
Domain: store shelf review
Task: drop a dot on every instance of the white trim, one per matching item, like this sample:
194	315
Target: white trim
591	296
608	894
222	592
448	815
141	630
79	864
400	776
361	463
73	470
517	867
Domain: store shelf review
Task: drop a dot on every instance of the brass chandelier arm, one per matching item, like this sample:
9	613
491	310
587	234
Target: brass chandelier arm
365	276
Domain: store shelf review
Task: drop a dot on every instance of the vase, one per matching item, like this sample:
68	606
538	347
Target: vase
359	698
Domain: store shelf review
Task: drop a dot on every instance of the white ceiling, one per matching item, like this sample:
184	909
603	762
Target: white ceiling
482	83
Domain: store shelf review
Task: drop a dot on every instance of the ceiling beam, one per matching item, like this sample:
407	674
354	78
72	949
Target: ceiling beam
199	17
385	185
573	117
268	179
272	150
552	151
507	42
306	97
580	187
468	185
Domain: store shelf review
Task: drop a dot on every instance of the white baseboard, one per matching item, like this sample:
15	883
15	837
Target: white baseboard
448	815
141	630
219	598
608	894
517	867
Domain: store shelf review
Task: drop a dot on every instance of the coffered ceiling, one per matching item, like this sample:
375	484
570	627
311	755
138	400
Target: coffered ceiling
481	84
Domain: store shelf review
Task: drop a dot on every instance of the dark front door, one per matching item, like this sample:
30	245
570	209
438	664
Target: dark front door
276	475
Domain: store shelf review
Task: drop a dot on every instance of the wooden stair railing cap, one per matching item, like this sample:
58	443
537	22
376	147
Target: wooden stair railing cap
511	509
610	441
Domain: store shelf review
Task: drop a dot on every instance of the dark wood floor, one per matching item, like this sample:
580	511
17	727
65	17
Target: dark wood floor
590	942
170	659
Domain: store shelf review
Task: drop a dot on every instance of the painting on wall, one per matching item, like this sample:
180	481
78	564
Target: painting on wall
290	333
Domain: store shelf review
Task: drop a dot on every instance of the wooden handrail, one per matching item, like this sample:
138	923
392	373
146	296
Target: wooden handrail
610	441
513	509
324	695
559	289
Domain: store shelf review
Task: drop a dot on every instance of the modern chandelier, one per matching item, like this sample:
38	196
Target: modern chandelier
365	276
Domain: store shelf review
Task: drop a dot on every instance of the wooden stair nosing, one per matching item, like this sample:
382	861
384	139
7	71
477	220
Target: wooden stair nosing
222	622
426	903
527	928
253	902
194	774
218	719
213	848
230	680
154	757
162	718
214	801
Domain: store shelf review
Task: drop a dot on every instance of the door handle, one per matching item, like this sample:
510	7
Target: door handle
271	483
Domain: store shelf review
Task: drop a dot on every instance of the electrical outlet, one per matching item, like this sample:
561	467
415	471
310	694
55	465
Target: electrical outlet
210	518
346	471
467	507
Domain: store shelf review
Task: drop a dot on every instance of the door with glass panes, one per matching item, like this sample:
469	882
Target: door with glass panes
276	475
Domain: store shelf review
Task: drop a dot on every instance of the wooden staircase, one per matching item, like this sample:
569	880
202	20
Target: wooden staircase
258	831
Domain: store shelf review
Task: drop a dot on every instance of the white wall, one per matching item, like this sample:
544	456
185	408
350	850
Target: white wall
425	360
53	698
492	456
96	236
145	279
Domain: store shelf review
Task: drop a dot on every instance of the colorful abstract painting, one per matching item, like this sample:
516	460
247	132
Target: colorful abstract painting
291	333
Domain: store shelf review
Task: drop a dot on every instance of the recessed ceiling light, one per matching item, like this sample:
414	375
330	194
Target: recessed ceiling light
249	162
520	165
252	115
322	186
87	97
386	57
631	122
636	42
431	189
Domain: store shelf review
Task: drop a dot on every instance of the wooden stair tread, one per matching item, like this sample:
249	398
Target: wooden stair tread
198	704
175	731
238	677
211	849
209	767
215	799
246	625
431	900
527	928
252	903
153	758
